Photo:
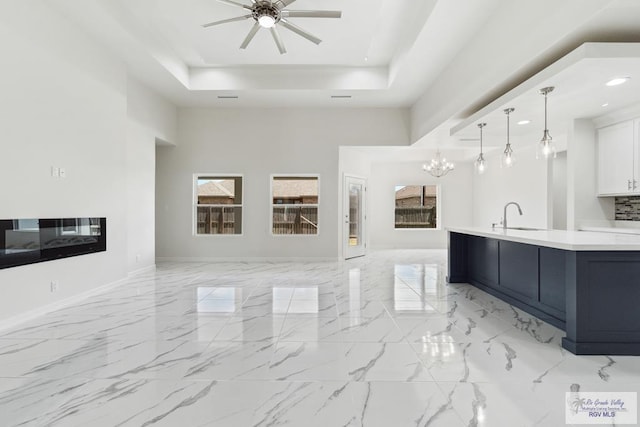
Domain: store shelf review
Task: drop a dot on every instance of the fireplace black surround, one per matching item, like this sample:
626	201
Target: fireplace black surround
31	240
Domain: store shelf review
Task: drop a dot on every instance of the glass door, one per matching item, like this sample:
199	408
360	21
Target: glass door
354	217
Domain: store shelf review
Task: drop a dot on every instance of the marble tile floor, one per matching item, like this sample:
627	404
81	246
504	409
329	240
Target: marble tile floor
381	340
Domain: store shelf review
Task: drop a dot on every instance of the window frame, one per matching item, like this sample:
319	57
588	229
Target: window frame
272	205
438	209
195	205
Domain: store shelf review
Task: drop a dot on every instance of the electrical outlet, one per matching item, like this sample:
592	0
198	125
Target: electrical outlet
137	257
62	172
54	286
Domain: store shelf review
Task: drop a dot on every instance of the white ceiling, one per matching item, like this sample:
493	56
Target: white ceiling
346	41
382	53
409	45
579	79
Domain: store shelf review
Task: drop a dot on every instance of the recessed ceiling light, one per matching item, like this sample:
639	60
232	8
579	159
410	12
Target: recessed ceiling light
617	81
524	122
606	104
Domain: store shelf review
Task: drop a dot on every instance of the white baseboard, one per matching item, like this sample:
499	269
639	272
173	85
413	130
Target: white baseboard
247	259
40	311
411	246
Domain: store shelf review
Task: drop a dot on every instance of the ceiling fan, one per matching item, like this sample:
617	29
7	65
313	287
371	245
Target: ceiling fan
269	13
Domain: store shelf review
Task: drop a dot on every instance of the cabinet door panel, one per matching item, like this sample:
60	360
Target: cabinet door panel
519	268
615	158
483	260
553	268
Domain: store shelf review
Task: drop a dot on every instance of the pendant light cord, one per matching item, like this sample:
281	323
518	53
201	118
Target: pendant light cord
545	112
508	112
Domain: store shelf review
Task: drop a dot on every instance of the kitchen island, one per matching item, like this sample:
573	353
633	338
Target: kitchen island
586	283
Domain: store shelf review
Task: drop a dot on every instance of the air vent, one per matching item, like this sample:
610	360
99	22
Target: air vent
228	97
341	96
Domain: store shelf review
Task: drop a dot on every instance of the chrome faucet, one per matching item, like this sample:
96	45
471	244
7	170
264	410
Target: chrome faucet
504	215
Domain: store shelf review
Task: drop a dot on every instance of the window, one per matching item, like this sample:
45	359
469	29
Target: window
416	206
218	204
294	205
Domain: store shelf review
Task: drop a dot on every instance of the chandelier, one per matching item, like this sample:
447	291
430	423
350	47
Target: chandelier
439	166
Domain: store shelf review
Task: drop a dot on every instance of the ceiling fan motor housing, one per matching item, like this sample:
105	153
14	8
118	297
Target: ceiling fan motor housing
265	8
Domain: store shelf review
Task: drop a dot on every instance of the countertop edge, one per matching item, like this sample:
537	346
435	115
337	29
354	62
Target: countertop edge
534	237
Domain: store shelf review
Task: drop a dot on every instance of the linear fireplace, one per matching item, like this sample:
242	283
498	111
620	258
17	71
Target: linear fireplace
30	240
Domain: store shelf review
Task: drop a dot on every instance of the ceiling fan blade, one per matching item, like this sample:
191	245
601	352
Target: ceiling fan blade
311	13
250	36
278	40
235	3
299	31
282	3
224	21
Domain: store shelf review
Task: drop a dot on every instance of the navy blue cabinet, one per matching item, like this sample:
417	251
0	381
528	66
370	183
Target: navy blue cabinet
517	273
519	269
593	295
483	262
553	276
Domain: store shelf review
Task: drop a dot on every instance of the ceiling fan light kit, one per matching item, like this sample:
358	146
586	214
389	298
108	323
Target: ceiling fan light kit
267	15
271	13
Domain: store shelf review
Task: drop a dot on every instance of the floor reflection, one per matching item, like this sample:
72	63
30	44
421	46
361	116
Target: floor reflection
318	344
218	299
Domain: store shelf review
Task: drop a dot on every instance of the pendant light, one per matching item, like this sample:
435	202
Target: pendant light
481	163
507	155
546	147
439	166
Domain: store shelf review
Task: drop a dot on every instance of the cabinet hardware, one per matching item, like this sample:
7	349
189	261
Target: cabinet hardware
628	184
635	184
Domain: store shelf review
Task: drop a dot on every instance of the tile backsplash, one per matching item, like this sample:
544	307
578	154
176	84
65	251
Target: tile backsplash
628	208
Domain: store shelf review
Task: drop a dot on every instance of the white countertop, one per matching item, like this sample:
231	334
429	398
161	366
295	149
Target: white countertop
612	230
559	239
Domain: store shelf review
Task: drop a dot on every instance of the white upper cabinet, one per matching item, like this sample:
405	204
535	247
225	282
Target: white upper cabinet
619	159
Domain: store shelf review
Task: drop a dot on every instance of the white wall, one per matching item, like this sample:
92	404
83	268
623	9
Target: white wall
63	104
59	110
532	184
455	204
151	111
257	143
583	206
559	190
355	161
526	183
150	118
